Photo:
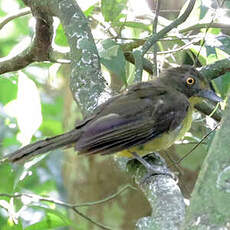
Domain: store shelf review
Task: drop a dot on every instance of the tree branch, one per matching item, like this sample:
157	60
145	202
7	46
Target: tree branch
213	184
216	69
181	48
199	26
86	82
163	194
155	71
147	65
11	17
207	108
38	51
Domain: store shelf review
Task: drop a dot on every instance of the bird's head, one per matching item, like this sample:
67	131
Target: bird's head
190	82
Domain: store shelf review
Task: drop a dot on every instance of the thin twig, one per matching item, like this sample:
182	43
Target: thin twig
11	17
36	198
207	25
165	39
107	198
179	48
192	143
154	32
195	146
107	27
199	26
91	220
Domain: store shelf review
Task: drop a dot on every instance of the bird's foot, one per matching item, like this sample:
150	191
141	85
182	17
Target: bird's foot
157	166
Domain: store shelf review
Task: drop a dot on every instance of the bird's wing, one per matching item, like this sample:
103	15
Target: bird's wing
132	119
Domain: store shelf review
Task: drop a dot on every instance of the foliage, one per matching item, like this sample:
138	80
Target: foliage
27	116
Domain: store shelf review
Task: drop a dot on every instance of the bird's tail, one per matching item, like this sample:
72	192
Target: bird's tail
43	146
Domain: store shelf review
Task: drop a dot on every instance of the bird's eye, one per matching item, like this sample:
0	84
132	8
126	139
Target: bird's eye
190	81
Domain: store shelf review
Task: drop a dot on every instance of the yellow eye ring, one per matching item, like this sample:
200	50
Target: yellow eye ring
190	81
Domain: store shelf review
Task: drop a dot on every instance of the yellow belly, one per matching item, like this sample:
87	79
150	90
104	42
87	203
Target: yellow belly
163	141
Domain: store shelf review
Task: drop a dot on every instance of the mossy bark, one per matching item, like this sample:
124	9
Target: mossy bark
210	202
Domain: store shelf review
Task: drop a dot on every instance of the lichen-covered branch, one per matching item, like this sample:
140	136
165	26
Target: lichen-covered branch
86	81
210	202
167	202
163	194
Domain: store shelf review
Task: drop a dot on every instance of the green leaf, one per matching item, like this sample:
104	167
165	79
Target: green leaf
10	226
113	59
51	127
222	42
203	10
7	181
9	141
21	25
214	30
46	187
52	107
202	54
8	89
223	84
53	219
211	58
112	8
217	47
49	222
89	11
51	124
60	38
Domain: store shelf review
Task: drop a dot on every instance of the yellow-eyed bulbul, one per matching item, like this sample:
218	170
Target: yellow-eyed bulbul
149	116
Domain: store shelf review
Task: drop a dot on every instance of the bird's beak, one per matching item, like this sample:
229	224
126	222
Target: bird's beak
209	94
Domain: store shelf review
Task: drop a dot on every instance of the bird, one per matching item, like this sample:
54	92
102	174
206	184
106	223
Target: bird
147	117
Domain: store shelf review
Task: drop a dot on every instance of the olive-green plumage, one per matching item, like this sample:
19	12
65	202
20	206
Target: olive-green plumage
149	116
